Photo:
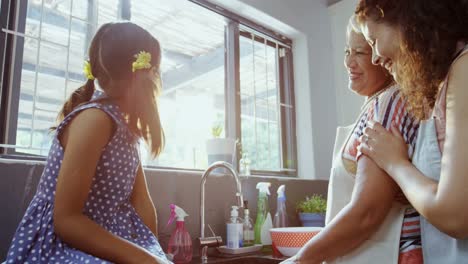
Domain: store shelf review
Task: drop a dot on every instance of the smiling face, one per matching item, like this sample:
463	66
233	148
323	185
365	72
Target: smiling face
364	78
385	43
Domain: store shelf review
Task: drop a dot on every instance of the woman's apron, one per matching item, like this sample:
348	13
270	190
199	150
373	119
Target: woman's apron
437	246
383	246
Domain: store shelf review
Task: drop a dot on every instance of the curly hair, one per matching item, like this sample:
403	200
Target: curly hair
430	31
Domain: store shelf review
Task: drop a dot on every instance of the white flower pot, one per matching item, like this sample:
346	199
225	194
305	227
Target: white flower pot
221	149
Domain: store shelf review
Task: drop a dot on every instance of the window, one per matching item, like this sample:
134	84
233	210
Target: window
217	68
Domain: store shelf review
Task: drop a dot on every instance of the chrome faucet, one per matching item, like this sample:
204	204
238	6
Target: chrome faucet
214	241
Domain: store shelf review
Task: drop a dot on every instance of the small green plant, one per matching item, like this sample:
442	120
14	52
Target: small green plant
314	204
216	131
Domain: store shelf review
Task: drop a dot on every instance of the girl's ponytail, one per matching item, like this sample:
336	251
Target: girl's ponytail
144	113
92	71
78	97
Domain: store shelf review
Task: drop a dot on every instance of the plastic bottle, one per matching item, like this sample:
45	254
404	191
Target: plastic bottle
281	217
263	223
180	243
234	229
248	227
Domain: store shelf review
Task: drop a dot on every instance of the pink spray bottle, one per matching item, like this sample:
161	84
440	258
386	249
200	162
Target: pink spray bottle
180	243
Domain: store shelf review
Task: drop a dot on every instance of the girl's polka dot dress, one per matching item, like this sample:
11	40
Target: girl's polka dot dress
108	202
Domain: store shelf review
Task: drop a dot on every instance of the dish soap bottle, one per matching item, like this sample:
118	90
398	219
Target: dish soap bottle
263	223
248	227
234	229
180	243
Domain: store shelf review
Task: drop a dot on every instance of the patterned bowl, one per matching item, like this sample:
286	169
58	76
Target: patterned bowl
288	240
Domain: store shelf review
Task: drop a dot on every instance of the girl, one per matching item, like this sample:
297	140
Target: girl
92	203
424	44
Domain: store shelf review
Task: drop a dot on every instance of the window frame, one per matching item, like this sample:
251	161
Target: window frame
13	18
11	13
286	98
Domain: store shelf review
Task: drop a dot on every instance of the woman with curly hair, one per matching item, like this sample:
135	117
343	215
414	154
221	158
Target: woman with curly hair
366	220
424	44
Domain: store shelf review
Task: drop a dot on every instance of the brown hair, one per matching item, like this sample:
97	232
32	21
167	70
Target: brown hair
429	30
111	54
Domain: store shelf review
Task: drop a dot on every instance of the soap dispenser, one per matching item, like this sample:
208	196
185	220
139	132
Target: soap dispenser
234	229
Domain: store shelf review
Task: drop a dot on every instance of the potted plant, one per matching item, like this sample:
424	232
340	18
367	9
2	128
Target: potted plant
312	210
219	148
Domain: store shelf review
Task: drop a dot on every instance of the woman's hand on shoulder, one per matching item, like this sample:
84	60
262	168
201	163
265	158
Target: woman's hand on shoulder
387	149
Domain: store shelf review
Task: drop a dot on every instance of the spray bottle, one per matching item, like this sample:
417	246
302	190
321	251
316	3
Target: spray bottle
263	223
180	243
281	217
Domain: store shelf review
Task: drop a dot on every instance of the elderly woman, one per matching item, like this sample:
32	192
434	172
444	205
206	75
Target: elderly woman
424	43
365	223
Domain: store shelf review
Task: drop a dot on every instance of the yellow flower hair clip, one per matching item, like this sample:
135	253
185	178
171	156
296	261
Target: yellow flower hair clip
143	61
87	71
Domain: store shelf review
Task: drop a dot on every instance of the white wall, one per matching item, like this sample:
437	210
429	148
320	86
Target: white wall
347	103
307	23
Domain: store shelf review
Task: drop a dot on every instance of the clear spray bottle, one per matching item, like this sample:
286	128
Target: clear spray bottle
281	216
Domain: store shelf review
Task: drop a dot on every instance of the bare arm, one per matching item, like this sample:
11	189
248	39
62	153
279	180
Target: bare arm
441	203
141	201
372	199
73	185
